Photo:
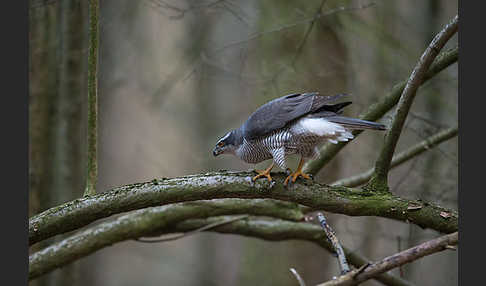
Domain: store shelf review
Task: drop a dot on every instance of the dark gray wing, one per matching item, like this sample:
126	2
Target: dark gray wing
277	113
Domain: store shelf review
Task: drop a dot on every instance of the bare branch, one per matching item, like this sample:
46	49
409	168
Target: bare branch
306	35
297	276
382	166
402	157
192	232
377	110
82	211
291	25
181	12
358	276
338	249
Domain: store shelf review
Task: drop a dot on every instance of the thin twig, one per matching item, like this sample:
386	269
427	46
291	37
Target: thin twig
297	276
181	235
92	168
358	276
343	263
307	33
291	25
382	166
181	12
402	157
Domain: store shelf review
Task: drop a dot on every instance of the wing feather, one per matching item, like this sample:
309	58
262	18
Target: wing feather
277	113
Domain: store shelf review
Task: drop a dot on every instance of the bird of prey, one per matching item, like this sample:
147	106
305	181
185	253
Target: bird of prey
292	124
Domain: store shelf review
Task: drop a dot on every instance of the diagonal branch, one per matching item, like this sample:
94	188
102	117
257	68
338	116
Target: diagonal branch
306	35
338	249
298	277
377	110
358	276
192	232
80	212
382	166
402	157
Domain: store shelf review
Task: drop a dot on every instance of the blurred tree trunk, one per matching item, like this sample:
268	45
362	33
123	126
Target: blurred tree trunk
56	112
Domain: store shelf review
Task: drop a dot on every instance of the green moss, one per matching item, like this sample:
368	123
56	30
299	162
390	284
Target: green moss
376	185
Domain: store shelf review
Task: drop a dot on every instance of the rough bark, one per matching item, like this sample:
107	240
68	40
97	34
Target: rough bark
186	217
353	202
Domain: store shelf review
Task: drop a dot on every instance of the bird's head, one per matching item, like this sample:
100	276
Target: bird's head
228	144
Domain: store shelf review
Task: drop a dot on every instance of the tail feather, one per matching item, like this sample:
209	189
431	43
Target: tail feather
354	123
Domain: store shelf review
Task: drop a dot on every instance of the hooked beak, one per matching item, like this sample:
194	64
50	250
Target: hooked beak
217	151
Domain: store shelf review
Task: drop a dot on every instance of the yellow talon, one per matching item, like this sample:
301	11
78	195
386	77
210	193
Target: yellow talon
297	173
264	173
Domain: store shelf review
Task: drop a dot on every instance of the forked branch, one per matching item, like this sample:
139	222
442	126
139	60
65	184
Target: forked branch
379	180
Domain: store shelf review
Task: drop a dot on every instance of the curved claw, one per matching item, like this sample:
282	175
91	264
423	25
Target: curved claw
297	173
264	173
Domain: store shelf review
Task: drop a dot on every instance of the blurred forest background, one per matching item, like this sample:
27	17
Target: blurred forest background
174	76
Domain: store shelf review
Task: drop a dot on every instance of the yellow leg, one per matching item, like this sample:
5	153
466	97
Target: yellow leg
297	173
264	173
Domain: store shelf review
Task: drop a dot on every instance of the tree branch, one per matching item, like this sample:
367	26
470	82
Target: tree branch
377	110
338	249
192	232
164	220
277	230
149	222
358	276
402	157
297	276
80	212
379	180
292	25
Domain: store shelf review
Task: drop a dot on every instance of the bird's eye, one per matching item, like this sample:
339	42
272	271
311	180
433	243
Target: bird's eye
220	144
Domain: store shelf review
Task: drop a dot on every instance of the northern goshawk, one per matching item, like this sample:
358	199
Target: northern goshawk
292	124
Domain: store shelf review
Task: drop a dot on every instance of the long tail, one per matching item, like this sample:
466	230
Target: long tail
354	123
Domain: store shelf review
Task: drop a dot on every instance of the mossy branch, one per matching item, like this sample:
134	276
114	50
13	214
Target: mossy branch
379	180
92	168
377	110
367	272
172	218
80	212
148	222
402	157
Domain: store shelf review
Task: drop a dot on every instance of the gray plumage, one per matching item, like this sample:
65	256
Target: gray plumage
292	124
